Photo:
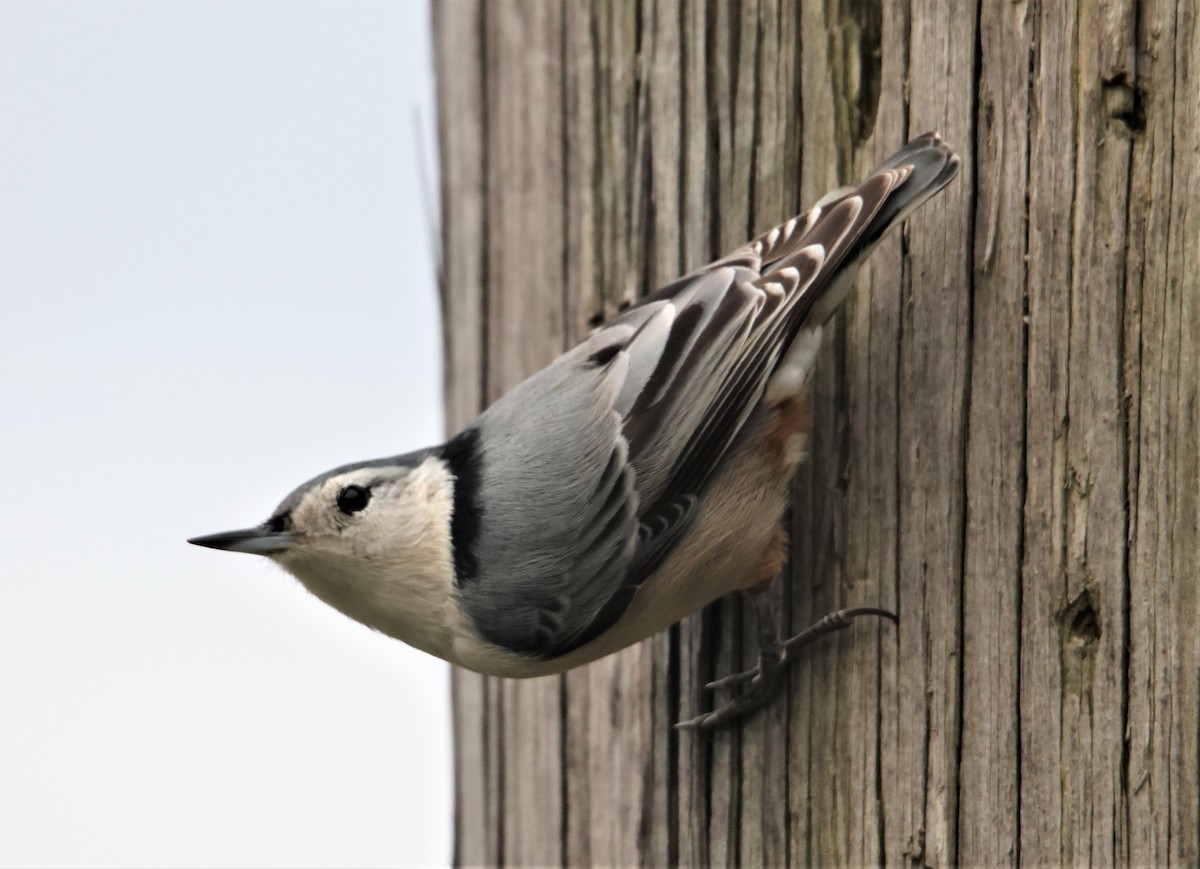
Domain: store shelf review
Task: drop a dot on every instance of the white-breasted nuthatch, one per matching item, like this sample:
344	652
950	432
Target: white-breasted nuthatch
638	477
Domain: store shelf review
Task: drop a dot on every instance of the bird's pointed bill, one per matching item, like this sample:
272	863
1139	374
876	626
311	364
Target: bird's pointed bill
257	541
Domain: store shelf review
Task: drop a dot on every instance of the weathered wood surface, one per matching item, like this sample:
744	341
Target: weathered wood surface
1006	447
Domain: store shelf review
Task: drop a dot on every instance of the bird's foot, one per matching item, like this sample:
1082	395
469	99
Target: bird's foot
762	681
763	684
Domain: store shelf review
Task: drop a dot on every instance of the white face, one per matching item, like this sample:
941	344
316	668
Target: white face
374	542
368	514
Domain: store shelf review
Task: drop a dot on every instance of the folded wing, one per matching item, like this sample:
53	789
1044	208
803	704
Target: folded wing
590	469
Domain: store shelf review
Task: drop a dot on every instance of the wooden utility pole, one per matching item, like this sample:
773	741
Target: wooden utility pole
1007	444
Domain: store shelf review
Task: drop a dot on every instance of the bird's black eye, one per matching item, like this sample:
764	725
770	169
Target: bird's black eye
353	499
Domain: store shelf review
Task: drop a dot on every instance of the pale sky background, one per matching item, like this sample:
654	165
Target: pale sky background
216	281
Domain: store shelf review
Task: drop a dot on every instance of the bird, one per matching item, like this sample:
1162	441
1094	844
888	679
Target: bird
638	477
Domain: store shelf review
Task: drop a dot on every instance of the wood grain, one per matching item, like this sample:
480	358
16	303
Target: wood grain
1005	447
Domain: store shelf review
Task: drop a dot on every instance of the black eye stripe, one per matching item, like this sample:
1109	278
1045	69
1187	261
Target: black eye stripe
353	499
280	522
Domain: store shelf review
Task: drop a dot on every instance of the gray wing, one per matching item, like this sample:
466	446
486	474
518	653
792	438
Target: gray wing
589	470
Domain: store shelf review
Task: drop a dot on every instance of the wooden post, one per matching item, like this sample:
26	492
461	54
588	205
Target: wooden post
1007	417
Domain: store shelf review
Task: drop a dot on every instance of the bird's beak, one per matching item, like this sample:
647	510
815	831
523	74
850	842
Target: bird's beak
257	541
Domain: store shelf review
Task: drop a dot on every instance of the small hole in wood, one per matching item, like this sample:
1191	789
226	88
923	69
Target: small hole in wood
1081	619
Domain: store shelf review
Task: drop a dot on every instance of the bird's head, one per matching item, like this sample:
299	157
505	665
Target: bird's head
371	539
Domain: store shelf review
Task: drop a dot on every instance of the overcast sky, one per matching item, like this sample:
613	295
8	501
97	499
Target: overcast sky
216	281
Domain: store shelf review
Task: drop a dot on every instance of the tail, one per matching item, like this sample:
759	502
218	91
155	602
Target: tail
838	233
931	165
849	222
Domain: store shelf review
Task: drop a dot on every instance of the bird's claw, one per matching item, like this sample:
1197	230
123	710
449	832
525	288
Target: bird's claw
732	680
764	679
776	653
763	682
